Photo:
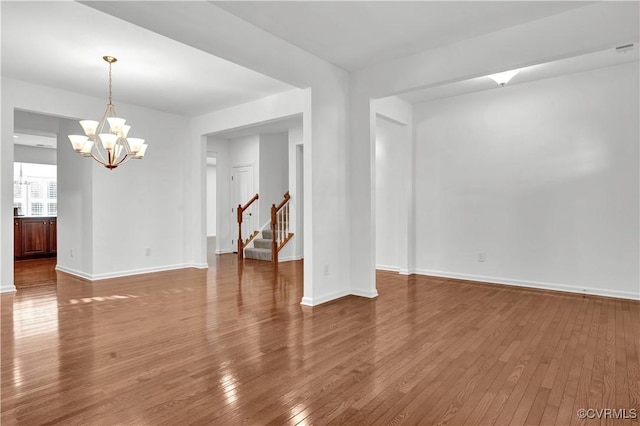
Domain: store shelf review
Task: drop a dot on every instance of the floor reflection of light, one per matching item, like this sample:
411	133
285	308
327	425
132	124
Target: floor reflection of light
228	383
35	324
17	373
298	417
101	298
35	317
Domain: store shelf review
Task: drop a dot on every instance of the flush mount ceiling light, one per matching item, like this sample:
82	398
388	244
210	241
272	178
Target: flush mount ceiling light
503	78
106	141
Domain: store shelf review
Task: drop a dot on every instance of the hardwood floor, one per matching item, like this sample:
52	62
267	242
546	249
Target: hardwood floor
34	272
232	345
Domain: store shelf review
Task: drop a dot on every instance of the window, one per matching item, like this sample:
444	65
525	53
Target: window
52	189
36	209
35	189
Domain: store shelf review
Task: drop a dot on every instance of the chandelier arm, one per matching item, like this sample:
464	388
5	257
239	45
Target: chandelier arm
125	159
98	159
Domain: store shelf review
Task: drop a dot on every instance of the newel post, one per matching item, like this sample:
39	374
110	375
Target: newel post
240	245
274	244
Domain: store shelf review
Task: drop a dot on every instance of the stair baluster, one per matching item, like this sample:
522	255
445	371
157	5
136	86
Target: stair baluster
240	211
280	226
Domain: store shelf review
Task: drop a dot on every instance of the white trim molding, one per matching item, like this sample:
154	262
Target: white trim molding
224	251
8	289
289	258
308	301
388	268
368	294
531	284
105	276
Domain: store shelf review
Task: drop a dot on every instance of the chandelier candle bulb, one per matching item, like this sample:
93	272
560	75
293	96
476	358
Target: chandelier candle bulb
78	142
124	131
89	127
116	123
135	144
86	149
108	140
143	149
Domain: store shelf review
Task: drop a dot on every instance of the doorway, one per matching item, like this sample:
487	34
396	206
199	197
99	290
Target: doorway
212	206
35	208
241	191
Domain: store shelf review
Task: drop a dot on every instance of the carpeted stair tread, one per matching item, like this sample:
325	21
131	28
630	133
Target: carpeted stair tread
257	253
262	243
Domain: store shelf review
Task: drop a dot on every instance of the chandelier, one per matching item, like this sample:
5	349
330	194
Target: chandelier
106	141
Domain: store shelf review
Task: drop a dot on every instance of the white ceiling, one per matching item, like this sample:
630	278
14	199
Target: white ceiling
37	141
608	57
61	44
269	127
356	34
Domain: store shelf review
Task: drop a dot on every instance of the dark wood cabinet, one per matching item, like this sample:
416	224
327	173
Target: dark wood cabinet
35	236
17	238
53	235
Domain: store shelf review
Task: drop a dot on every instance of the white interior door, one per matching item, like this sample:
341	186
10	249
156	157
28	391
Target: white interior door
241	192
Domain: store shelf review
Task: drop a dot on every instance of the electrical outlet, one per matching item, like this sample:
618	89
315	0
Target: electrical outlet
326	269
71	253
481	256
147	251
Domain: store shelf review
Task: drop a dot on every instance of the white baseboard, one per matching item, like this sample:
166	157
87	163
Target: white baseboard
198	266
224	251
365	293
289	258
388	268
308	301
105	276
73	272
7	289
531	284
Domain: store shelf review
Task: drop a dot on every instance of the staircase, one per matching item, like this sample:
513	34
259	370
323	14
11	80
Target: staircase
261	249
271	241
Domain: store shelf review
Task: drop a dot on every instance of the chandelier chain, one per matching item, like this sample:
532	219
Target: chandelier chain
110	103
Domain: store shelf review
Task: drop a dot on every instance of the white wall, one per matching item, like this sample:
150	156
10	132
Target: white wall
582	30
542	177
274	172
211	200
75	206
392	145
246	151
138	205
225	232
295	247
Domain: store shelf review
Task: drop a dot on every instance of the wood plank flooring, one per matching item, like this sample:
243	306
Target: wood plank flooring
233	345
34	272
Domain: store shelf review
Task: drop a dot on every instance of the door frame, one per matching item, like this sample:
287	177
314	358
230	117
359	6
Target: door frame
234	197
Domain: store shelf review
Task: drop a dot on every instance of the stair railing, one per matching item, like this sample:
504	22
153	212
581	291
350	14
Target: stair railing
280	226
240	211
